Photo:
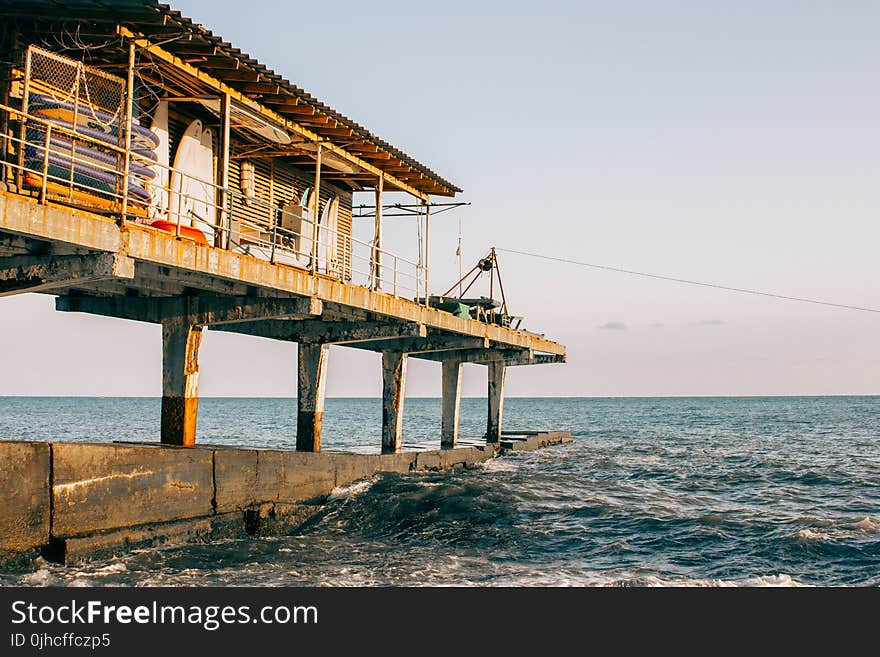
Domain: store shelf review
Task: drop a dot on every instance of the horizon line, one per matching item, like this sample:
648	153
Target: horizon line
262	397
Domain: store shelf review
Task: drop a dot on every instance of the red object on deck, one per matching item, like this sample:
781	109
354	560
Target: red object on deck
187	232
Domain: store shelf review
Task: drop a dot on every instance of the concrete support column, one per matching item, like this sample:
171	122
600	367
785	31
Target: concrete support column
451	403
311	383
180	381
497	371
393	383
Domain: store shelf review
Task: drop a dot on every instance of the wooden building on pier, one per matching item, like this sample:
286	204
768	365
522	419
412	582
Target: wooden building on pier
152	171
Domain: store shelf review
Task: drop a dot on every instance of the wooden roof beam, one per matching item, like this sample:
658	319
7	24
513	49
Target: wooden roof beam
339	132
361	147
194	50
240	75
213	63
317	120
294	126
260	88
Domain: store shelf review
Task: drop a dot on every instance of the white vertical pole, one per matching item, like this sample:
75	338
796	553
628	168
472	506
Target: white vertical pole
129	108
427	250
224	217
317	210
377	239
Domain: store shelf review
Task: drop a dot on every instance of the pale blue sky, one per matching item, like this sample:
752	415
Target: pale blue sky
736	143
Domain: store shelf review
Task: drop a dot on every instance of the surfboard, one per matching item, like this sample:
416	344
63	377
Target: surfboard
84	154
327	237
206	216
81	197
159	187
144	153
193	168
91	118
97	180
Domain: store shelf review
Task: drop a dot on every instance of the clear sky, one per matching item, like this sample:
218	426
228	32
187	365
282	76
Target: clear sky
736	143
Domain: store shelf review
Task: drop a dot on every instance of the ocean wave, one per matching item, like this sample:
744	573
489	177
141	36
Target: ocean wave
103	571
829	532
626	579
499	465
353	489
776	581
41	577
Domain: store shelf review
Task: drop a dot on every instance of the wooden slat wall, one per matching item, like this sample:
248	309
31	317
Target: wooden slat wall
288	183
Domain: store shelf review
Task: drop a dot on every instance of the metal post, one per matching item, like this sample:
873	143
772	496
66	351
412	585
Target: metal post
273	218
6	85
315	217
179	200
129	106
377	237
25	97
70	180
46	162
427	250
224	220
273	222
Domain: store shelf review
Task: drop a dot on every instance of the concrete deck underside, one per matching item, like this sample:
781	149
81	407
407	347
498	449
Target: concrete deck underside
165	266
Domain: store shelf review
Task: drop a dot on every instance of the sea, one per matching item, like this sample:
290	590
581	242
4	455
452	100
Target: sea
757	491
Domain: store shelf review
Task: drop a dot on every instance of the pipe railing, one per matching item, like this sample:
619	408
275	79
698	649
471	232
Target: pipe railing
338	254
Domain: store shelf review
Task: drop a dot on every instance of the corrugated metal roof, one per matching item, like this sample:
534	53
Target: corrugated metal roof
249	76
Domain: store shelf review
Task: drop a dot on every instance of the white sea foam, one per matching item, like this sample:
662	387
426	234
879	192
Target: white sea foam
828	532
779	580
774	580
867	525
80	582
351	490
808	535
103	571
499	465
41	577
622	578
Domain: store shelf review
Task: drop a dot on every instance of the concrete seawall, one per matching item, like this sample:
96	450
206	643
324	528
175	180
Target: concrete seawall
75	501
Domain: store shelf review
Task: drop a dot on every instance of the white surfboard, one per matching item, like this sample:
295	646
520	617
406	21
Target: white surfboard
192	197
158	188
329	238
205	214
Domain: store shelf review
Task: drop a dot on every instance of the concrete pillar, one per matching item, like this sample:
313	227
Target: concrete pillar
497	370
393	383
451	403
180	381
312	380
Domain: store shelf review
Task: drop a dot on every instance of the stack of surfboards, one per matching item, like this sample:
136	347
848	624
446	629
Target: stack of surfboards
185	194
93	169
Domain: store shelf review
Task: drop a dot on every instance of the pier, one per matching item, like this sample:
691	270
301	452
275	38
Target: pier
255	238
